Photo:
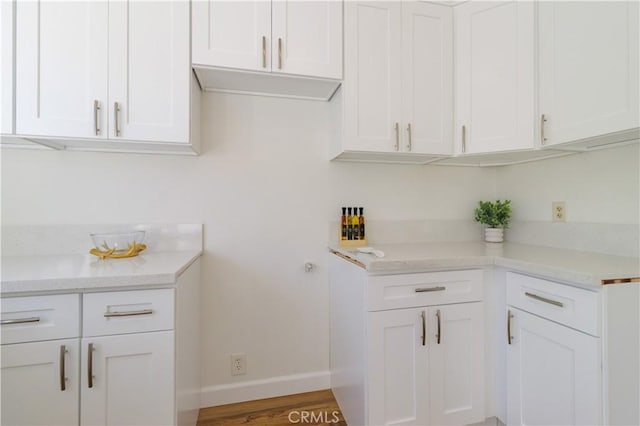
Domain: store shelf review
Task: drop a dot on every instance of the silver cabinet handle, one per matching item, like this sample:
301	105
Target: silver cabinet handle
19	320
427	289
424	328
464	139
264	51
544	299
543	139
279	53
90	365
397	127
116	113
439	331
63	351
509	336
128	313
409	141
96	116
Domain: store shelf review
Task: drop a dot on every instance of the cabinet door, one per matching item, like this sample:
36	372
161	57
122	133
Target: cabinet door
40	383
494	76
6	49
307	38
456	364
553	374
149	71
133	380
397	386
61	68
233	34
372	74
427	77
588	53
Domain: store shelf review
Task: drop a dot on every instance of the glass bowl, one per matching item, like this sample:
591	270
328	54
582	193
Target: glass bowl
120	242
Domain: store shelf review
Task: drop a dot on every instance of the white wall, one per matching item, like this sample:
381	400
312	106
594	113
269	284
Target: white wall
598	187
601	190
265	192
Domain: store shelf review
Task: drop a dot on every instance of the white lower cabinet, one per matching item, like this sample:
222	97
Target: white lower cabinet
426	365
407	349
40	383
124	358
553	373
126	379
553	355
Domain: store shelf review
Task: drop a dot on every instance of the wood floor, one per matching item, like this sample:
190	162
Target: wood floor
311	408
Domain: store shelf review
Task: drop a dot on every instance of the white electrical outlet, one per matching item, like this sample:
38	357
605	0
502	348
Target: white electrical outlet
238	364
559	211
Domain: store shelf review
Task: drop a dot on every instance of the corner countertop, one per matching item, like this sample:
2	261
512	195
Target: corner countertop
23	275
584	269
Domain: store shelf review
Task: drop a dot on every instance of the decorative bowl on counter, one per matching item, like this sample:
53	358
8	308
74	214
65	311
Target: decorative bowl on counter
119	245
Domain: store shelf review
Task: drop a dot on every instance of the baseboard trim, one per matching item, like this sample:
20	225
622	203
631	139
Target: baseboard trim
212	396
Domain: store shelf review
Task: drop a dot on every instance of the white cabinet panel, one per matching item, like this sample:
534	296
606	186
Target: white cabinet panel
61	68
149	71
33	318
133	380
231	33
456	364
32	383
397	368
372	73
588	54
494	76
307	38
437	381
553	374
7	9
427	77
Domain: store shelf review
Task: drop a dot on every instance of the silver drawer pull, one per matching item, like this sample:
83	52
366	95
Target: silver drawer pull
544	299
19	320
426	289
63	351
128	313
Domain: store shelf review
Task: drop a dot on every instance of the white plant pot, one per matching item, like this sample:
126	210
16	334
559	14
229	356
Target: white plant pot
494	235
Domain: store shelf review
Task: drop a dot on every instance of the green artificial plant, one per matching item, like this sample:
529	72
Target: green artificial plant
494	215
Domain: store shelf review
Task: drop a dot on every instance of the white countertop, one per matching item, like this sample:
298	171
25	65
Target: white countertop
78	272
581	268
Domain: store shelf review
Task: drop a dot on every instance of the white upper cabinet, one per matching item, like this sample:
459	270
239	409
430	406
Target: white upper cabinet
234	34
61	68
495	95
116	71
299	38
372	88
398	81
588	53
7	66
427	77
149	73
307	38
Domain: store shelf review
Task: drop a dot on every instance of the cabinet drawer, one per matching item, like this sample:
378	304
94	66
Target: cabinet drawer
432	288
125	312
574	307
33	318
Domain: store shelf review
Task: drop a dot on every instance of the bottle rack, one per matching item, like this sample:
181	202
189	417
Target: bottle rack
351	231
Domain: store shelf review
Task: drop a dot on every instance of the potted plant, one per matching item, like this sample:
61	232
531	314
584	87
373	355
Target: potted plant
496	216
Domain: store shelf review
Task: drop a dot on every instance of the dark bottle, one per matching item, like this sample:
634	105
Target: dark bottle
349	225
356	227
343	234
361	224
